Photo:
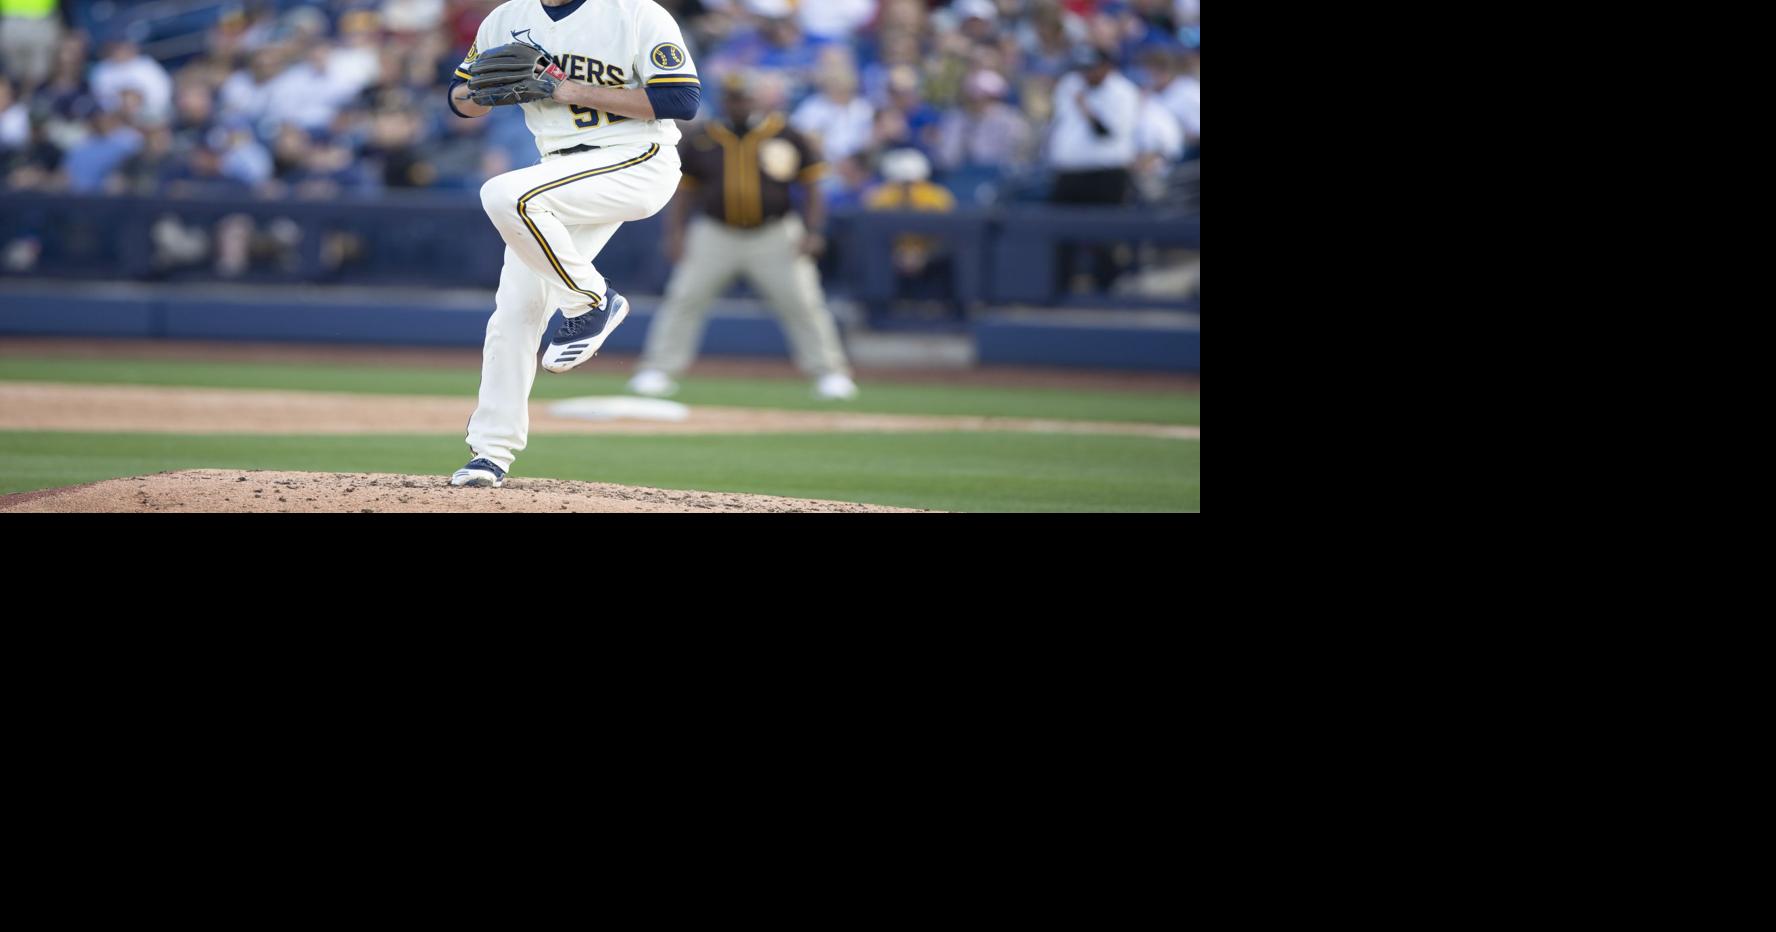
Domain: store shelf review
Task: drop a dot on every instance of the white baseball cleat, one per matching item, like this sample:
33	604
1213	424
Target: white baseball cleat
580	337
835	387
652	383
481	474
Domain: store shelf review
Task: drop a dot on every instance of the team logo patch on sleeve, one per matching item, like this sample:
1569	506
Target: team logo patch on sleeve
668	56
474	53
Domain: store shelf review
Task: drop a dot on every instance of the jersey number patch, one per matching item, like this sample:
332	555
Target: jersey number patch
586	117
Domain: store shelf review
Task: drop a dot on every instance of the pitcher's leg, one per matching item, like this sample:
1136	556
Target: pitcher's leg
712	256
536	208
538	238
500	427
589	240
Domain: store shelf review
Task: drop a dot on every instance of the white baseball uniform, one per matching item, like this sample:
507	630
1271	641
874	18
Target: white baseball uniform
557	215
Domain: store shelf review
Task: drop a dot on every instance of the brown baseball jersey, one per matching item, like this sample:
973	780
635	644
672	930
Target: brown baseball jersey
741	175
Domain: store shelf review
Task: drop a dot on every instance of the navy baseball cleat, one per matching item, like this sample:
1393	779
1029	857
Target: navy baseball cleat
481	474
580	337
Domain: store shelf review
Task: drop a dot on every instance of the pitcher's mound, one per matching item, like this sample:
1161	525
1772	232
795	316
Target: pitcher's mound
255	491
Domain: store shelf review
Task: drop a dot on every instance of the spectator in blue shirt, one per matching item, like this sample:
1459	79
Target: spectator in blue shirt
91	162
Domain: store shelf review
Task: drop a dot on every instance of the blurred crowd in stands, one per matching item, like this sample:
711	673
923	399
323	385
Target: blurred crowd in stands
917	104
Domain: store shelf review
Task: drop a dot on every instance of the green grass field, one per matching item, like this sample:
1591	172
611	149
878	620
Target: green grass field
945	471
790	394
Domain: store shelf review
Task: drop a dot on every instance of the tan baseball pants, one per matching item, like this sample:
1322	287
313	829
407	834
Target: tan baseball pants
771	258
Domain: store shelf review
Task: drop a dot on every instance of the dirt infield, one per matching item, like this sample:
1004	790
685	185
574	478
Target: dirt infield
159	409
228	490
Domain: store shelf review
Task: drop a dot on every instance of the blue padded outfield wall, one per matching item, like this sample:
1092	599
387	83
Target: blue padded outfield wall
126	312
1003	256
999	259
121	312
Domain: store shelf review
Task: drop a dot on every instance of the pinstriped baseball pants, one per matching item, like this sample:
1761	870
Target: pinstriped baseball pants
555	218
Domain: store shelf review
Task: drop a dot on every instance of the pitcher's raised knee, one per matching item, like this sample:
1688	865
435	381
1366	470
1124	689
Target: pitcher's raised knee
499	198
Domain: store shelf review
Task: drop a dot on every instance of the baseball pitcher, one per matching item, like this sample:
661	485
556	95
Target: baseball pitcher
600	82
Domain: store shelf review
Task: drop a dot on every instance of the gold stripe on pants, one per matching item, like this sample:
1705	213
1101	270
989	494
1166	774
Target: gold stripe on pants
524	214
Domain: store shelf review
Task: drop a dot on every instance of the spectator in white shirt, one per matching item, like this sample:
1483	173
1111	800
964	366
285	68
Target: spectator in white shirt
835	19
126	67
15	119
303	95
246	92
840	121
976	18
1178	83
1159	144
357	62
28	36
413	16
1093	145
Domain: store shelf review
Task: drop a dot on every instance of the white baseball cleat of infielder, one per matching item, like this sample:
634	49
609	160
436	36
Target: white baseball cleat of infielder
652	383
580	337
835	387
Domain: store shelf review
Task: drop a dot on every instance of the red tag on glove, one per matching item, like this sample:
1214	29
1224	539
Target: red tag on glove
553	70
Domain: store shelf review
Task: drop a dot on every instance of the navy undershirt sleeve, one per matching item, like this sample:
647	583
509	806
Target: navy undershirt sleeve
450	98
675	101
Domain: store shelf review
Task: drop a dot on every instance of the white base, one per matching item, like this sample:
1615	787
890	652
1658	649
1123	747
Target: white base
620	408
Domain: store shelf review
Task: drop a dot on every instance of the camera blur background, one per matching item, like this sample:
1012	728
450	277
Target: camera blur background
283	181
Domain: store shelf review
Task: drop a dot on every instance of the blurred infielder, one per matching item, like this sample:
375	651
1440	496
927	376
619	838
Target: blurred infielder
600	82
739	176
